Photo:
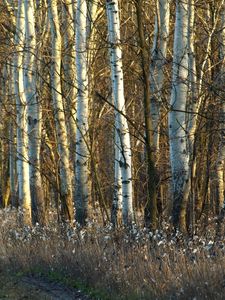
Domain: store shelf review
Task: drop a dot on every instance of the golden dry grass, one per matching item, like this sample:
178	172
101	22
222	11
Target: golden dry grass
134	264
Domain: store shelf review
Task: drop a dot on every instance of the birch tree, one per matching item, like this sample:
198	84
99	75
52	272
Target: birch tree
63	149
177	118
121	126
22	118
69	67
158	62
82	138
34	115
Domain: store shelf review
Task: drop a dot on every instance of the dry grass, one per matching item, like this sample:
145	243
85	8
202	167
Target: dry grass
118	265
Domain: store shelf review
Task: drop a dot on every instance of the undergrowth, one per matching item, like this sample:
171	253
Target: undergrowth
121	264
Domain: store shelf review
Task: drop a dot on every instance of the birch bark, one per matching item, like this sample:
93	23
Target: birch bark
22	120
121	126
179	157
157	66
69	67
34	116
82	134
63	149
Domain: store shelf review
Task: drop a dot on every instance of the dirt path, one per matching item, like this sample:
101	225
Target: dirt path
35	288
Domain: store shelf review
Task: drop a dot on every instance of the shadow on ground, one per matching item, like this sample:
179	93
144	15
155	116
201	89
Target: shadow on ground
18	287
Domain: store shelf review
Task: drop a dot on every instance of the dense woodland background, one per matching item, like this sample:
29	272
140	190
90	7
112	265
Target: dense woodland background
112	148
110	107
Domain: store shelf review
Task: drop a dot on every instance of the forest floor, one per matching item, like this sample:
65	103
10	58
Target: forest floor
18	287
56	262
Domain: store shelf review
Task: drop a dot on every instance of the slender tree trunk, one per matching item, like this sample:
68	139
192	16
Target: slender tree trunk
179	157
12	138
192	117
12	164
117	203
82	187
34	116
151	205
157	66
221	152
69	67
63	146
22	124
5	182
12	147
117	195
121	125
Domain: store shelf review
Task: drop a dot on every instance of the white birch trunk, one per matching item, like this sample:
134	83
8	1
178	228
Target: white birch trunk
192	106
158	61
70	69
22	124
121	125
117	203
82	139
191	66
177	117
34	115
63	149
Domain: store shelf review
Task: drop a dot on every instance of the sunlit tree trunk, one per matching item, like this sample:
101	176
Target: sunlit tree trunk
82	134
121	125
191	117
34	115
158	62
117	195
63	149
193	103
179	157
69	68
22	118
